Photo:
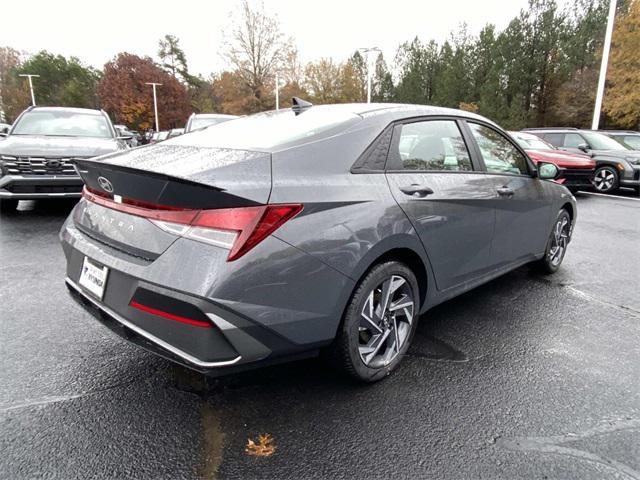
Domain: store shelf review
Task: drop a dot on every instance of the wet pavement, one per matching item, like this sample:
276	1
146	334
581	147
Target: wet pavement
525	377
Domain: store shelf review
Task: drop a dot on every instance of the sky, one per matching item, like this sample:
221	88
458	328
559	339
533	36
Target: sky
96	31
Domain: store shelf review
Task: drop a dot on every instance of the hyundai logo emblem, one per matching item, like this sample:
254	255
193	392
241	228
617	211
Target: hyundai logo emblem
105	184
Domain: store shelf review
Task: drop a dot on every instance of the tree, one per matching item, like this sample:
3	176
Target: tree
173	58
622	97
382	88
14	91
63	82
256	48
126	97
322	80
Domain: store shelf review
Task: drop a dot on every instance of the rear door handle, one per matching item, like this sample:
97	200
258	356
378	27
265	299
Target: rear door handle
505	192
415	190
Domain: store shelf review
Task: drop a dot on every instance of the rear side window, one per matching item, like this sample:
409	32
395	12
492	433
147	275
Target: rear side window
433	145
573	140
498	153
555	139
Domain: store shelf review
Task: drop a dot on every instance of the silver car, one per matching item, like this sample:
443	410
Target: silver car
317	228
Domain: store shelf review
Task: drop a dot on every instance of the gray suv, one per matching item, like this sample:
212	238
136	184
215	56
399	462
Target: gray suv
616	164
36	155
331	227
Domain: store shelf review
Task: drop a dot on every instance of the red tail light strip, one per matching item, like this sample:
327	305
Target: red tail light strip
168	316
250	224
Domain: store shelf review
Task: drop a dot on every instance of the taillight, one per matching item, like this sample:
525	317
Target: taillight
237	229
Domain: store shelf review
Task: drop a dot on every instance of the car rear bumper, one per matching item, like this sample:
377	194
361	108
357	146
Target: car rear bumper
29	187
256	314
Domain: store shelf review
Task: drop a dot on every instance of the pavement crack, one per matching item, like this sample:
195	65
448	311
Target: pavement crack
63	398
555	445
589	297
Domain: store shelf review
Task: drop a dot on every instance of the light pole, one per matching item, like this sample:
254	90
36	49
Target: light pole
155	102
367	51
277	92
30	76
603	65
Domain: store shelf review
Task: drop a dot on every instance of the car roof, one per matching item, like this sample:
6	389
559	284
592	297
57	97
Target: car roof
67	109
213	115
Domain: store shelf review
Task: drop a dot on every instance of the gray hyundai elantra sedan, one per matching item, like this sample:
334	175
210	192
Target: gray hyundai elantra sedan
313	229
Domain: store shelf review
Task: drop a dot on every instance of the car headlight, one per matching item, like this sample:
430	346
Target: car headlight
633	160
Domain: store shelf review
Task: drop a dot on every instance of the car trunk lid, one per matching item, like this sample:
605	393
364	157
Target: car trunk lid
129	197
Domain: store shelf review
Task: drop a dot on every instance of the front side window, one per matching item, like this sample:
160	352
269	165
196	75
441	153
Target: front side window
62	123
432	145
498	153
598	141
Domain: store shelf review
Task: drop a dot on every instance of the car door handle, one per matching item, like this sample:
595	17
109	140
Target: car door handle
415	190
505	192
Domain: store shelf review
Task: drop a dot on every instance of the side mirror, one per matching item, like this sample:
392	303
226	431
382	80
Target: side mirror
584	147
547	171
4	131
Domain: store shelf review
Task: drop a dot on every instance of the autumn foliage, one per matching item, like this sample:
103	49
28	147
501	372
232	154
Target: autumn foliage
124	94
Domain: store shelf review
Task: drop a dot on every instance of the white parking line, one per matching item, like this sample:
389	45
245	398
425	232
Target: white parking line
617	197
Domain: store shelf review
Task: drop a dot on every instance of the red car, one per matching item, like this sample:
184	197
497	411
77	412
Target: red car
577	170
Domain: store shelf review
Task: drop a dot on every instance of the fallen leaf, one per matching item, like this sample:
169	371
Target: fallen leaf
263	447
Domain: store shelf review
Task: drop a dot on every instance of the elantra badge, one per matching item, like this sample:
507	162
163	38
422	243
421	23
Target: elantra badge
105	184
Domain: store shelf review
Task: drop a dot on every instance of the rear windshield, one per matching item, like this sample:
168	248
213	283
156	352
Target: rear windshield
62	123
269	130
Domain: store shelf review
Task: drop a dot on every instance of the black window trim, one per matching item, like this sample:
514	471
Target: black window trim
532	171
395	140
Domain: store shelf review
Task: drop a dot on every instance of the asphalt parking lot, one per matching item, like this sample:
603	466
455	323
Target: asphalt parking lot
525	377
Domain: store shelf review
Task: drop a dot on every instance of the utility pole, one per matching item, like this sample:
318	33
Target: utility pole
30	76
277	92
603	65
370	65
155	102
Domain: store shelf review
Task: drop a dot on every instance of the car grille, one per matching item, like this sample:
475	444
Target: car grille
38	165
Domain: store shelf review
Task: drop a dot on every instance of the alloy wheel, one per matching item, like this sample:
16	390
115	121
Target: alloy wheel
385	321
604	180
559	241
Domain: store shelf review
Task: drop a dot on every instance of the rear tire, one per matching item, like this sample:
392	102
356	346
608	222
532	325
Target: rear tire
374	333
557	244
8	205
606	179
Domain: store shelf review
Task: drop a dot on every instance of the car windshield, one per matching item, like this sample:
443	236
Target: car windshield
272	129
63	123
201	122
598	141
532	143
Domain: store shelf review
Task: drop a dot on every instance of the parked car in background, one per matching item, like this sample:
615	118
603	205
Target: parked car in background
159	136
628	138
616	165
175	132
576	170
133	139
35	157
202	120
319	227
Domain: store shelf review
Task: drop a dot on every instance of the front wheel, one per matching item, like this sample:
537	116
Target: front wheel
378	324
606	179
557	243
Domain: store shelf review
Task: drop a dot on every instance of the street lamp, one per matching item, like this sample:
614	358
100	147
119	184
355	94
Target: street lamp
155	102
277	92
30	76
603	65
367	51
